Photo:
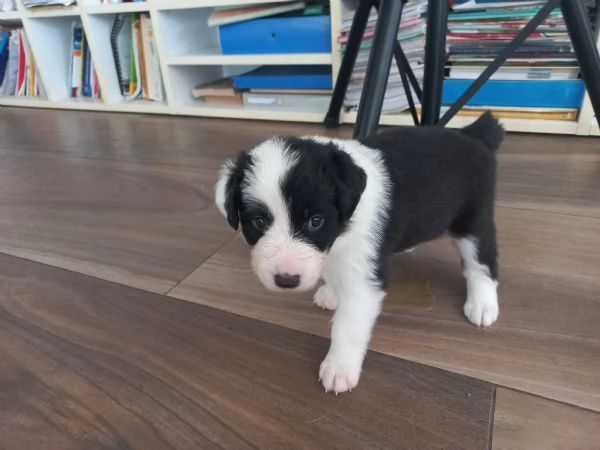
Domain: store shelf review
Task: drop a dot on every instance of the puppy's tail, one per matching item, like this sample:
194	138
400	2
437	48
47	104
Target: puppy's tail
487	130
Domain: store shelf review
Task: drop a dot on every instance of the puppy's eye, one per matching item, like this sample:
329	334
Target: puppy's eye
260	223
315	222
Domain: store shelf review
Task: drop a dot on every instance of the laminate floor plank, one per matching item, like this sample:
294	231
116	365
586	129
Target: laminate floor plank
143	226
523	421
89	364
546	341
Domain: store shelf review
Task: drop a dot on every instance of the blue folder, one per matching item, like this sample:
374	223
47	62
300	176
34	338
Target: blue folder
519	93
286	77
297	34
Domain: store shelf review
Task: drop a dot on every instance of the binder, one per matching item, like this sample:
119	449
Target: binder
286	77
300	34
120	42
135	81
518	93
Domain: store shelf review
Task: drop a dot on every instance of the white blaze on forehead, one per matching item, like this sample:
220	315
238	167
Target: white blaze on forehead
270	163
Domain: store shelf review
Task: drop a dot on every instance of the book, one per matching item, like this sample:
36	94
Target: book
76	58
286	77
135	80
9	82
234	15
224	99
565	114
143	78
152	71
518	93
222	88
531	72
317	102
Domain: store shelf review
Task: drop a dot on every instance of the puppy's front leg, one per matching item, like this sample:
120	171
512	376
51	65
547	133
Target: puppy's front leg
353	321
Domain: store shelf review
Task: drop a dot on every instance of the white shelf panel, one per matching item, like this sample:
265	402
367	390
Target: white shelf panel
247	112
214	57
41	12
117	8
139	106
190	4
513	125
10	15
29	102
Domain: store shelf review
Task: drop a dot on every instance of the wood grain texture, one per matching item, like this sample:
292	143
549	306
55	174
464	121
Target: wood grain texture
523	421
88	364
546	341
120	197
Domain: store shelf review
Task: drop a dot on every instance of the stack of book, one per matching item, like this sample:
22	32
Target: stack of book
18	72
278	28
540	80
83	77
411	36
136	58
298	88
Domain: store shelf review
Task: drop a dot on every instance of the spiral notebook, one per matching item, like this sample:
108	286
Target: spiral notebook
120	42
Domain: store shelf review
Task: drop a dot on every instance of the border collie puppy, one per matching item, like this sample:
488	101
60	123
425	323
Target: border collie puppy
315	208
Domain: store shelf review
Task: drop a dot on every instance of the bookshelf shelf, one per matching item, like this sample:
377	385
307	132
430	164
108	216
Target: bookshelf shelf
189	55
192	4
63	11
10	16
29	102
214	57
117	8
199	108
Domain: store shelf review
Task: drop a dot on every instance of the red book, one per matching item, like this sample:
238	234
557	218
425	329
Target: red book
21	74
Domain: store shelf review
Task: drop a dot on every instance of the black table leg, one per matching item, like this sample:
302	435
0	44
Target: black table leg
378	68
584	44
435	61
359	24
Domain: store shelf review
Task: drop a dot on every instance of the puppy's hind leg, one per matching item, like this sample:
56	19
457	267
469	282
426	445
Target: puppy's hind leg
477	247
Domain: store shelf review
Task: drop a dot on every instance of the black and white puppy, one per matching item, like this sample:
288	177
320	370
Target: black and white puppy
315	208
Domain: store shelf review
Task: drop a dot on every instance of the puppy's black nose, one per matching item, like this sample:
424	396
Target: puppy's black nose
287	281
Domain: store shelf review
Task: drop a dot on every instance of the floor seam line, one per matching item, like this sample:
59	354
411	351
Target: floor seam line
204	261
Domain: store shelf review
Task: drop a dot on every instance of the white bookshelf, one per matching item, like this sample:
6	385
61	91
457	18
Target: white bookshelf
189	55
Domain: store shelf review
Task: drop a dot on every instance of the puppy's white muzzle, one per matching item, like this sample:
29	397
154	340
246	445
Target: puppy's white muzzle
282	262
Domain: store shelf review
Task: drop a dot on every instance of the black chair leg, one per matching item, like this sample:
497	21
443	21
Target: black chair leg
584	45
359	24
378	68
435	61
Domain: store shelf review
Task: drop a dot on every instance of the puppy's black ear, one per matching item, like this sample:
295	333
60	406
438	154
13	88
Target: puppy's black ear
228	194
350	181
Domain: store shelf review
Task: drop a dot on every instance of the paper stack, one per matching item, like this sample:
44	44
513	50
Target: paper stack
545	63
411	36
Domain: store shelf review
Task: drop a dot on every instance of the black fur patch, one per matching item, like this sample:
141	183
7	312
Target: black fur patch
323	182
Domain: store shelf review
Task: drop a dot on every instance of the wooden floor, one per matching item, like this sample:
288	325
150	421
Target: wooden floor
129	318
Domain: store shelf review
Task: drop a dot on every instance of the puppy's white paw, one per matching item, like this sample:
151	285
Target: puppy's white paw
340	372
325	298
481	307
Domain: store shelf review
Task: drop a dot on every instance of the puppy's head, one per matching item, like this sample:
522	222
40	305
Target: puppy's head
292	198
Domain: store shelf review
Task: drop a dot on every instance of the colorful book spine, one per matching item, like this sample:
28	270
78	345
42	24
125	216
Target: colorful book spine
76	59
